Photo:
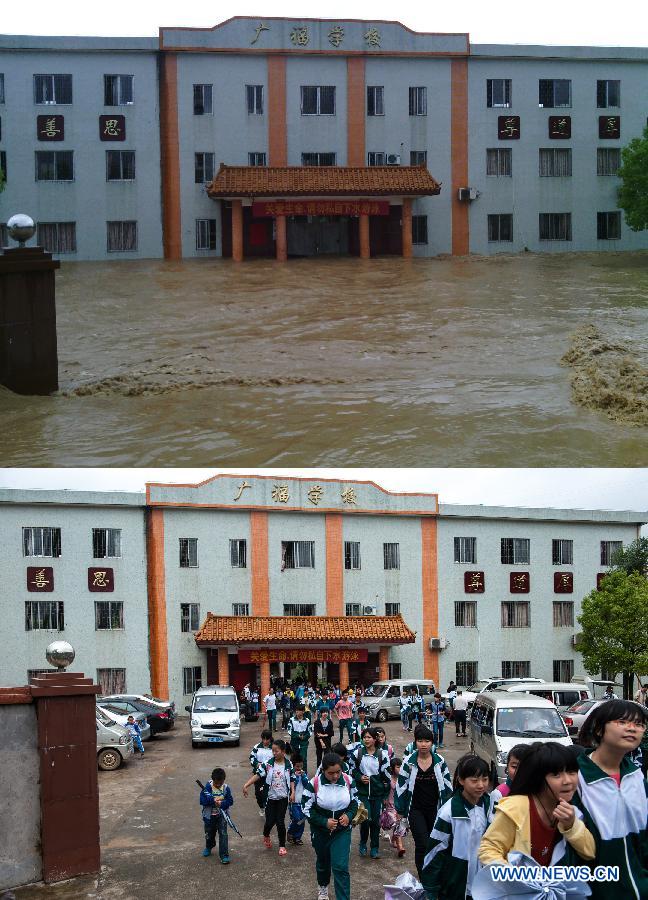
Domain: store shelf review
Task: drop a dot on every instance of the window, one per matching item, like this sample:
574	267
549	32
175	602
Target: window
391	556
419	230
608	225
118	90
297	555
202	99
299	609
554	92
376	158
375	101
240	609
466	673
499	161
205	234
254	95
516	614
394	670
516	669
608	160
353	609
392	609
562	552
516	550
203	167
563	613
318	159
52	89
46	615
238	553
555	162
191	679
106	542
418	157
121	237
418	101
57	237
500	227
109	614
111	681
465	550
256	159
498	92
2	94
555	227
41	541
352	554
465	613
563	669
189	616
318	100
188	553
120	165
608	549
54	165
608	93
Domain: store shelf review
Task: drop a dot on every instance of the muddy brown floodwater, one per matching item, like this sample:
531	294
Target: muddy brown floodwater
386	362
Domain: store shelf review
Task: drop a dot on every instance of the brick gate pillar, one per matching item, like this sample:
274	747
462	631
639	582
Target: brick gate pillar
281	239
265	681
344	675
383	663
365	250
237	231
406	220
223	666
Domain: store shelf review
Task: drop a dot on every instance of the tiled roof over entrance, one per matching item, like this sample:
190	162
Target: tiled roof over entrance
304	630
289	181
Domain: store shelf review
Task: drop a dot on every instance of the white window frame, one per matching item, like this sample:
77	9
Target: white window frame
563	670
300	609
254	99
206	99
515	614
57	237
118	87
353	609
206	234
468	673
108	539
377	92
608	549
493	219
57	155
240	609
191	679
555	82
555	226
376	158
554	162
505	93
352	556
189	617
126	165
499	162
562	552
606	90
301	555
563	613
316	156
238	553
319	89
111	606
611	216
41	538
465	613
205	160
53	87
392	608
127	233
257	158
418	101
519	551
465	550
391	556
111	681
188	550
516	668
41	614
608	160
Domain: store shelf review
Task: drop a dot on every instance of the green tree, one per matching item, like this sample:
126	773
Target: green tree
633	558
614	622
632	196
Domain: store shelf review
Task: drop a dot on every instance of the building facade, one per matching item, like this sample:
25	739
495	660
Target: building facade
239	577
472	148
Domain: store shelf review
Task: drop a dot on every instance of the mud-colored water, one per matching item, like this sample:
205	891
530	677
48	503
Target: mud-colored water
344	362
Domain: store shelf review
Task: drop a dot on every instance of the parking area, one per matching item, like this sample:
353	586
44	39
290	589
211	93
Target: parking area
152	835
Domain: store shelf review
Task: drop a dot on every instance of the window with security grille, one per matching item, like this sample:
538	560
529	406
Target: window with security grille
608	549
563	613
554	162
256	159
392	609
465	673
376	158
44	615
318	159
54	165
498	93
516	614
39	541
111	681
391	556
121	237
188	553
554	93
106	542
418	101
608	160
189	616
109	614
375	100
240	609
191	679
353	609
254	96
563	670
516	550
499	162
562	552
57	237
419	229
352	554
202	99
418	157
53	89
465	550
608	94
465	613
516	668
120	165
203	167
238	553
299	609
394	670
500	227
297	555
118	90
555	226
318	100
205	234
608	226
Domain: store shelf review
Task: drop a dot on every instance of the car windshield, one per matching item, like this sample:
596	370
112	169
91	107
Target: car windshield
524	721
582	706
114	710
478	686
375	690
103	718
215	703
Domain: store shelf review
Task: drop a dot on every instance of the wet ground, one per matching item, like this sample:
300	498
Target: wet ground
392	362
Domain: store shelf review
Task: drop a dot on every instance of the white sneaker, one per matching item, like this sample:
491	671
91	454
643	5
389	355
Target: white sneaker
262	813
323	893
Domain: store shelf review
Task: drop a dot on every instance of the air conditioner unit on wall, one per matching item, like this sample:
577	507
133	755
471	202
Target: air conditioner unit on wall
393	159
467	193
438	643
369	610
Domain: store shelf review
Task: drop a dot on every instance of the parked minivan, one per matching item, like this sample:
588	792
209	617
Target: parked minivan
114	743
381	698
501	719
215	716
562	694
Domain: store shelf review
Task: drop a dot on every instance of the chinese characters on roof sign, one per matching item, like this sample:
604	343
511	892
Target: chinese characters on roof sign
262	210
301	654
300	35
316	493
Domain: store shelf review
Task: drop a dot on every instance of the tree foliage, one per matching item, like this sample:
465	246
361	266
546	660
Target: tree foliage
632	195
633	558
614	622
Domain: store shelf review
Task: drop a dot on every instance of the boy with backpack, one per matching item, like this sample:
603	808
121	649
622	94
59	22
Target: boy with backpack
215	798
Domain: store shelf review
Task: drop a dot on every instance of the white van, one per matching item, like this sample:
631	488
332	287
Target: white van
381	698
501	719
562	694
215	716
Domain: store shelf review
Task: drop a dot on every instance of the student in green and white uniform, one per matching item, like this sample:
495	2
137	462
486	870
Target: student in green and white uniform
612	793
300	730
451	859
260	754
330	802
370	771
359	723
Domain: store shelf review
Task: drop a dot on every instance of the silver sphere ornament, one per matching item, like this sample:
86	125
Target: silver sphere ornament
21	228
60	654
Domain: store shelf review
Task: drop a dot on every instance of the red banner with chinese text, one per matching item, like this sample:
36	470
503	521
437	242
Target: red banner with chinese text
320	208
301	655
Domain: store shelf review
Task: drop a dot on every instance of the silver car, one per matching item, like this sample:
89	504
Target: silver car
121	717
382	698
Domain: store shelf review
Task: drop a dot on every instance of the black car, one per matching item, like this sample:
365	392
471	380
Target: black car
160	716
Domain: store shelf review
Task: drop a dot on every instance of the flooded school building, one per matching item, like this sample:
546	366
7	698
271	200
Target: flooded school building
278	137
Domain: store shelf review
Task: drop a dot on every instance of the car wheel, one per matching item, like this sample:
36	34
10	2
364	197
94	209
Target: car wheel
382	715
109	759
194	744
236	743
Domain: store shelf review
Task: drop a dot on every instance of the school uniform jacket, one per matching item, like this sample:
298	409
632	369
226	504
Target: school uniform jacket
379	785
322	797
254	755
407	781
299	730
265	773
451	859
357	727
616	816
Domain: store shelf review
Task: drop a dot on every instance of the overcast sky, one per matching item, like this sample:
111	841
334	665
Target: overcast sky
507	21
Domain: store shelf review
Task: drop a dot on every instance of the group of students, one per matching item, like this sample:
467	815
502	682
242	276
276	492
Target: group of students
560	805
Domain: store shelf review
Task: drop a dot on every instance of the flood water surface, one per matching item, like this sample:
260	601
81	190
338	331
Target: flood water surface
384	362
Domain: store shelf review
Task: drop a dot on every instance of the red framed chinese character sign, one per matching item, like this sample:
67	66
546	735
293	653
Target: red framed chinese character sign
560	127
50	128
609	127
112	128
100	580
474	582
519	582
508	128
563	582
40	579
301	655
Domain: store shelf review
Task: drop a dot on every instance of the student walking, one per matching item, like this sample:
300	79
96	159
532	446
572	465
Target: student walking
270	704
344	712
300	730
277	775
460	711
297	818
215	798
259	754
389	818
323	734
415	708
136	733
437	710
359	723
404	706
370	772
330	802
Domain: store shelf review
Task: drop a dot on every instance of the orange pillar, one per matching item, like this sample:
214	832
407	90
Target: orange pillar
223	666
282	245
344	675
265	679
277	132
158	646
259	565
364	236
170	157
459	155
237	231
383	663
334	566
407	227
356	111
430	591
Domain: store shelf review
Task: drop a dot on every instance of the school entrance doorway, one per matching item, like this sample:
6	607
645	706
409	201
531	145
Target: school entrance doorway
317	235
